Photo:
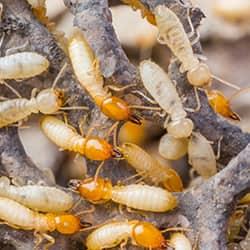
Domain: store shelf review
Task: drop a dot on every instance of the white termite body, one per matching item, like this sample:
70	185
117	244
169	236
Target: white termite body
22	65
48	101
172	33
201	155
39	198
36	3
180	242
159	85
144	197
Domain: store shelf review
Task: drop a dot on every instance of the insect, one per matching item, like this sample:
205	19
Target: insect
143	234
231	10
221	104
201	155
245	199
39	198
150	169
173	148
137	196
18	216
179	242
145	12
87	71
158	84
67	138
22	65
36	3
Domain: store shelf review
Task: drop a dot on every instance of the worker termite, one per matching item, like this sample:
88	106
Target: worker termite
173	148
87	71
22	65
232	10
18	216
67	138
143	234
150	169
145	12
221	104
158	84
201	155
179	242
39	198
137	196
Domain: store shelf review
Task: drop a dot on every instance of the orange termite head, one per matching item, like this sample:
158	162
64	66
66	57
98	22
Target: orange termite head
50	100
147	235
65	223
93	189
98	149
200	76
116	109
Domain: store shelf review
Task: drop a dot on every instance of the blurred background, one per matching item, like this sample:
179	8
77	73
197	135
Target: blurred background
225	42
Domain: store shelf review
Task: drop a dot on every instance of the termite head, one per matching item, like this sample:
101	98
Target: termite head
93	189
116	109
147	235
98	149
49	101
199	76
64	224
181	128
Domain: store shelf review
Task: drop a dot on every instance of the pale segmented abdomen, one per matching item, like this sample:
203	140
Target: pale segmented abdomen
86	66
62	135
22	65
172	33
21	216
15	110
144	197
109	235
159	85
39	198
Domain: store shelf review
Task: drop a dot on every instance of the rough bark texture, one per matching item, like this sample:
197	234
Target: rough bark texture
206	208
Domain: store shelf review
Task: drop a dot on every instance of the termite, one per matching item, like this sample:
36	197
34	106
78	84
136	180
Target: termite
159	85
145	12
143	234
67	138
87	71
137	196
232	10
36	3
179	242
245	199
150	169
173	148
201	155
221	104
18	216
22	65
39	198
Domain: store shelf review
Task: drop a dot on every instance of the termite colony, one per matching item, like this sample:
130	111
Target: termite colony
153	187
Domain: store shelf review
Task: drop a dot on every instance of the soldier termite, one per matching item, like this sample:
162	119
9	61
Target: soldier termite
158	84
39	198
201	155
143	234
137	196
18	216
232	10
87	71
22	65
48	101
67	138
150	169
172	148
179	242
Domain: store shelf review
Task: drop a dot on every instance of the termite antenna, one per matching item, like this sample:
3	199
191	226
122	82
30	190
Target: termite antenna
75	108
11	88
98	170
237	93
59	75
170	229
231	85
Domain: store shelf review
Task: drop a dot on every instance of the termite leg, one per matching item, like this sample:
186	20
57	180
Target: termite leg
50	239
91	210
120	89
231	85
121	182
111	129
59	75
218	148
145	107
137	92
2	39
10	225
1	12
98	170
134	211
120	208
11	88
170	229
17	49
197	101
38	239
123	244
75	108
34	92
